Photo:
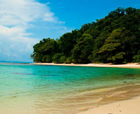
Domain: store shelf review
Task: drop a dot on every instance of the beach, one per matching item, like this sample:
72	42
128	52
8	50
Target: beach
49	88
128	65
122	107
124	100
129	104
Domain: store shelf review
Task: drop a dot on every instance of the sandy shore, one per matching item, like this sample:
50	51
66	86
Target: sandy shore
129	65
131	106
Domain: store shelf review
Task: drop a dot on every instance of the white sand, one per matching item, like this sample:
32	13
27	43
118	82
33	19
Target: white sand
129	65
131	106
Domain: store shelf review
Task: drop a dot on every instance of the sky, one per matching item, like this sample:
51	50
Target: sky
23	23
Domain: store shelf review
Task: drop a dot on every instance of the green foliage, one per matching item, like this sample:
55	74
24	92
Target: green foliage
47	58
69	60
137	57
115	39
83	48
56	58
62	59
117	58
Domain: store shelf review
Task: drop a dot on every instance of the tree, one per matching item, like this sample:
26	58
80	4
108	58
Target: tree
130	10
115	38
44	50
137	57
56	57
83	49
112	47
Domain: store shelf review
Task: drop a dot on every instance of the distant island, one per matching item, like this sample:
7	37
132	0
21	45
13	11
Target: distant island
113	39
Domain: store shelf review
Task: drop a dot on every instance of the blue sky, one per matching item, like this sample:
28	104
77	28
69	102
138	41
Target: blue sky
25	22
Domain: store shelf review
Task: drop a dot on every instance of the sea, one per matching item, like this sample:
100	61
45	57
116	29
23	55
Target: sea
40	89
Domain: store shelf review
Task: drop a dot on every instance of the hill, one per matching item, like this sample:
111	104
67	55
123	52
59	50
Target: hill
113	39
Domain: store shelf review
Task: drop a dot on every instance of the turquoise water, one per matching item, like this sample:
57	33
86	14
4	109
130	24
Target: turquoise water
34	89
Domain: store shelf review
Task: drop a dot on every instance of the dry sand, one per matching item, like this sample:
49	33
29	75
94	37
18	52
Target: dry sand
131	106
129	65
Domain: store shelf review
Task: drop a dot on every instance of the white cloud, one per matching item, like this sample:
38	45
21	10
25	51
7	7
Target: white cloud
16	17
21	12
49	17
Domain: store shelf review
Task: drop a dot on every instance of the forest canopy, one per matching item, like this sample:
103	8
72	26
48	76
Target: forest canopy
113	39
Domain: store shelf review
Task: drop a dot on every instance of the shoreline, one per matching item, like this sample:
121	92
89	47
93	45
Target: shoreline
114	100
124	106
128	65
130	106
